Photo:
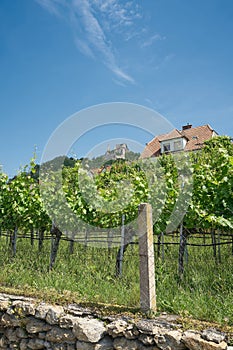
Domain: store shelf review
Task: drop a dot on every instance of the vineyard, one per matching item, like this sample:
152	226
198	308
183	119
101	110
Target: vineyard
52	244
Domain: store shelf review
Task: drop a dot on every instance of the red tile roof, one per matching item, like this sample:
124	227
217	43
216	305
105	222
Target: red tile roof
171	135
195	139
197	136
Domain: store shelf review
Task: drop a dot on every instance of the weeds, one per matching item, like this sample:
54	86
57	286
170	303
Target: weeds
88	276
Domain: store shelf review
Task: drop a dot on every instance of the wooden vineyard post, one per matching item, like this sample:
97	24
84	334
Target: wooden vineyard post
181	251
146	254
55	240
120	255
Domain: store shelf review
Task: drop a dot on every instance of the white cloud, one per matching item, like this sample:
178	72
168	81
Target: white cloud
121	74
52	6
92	22
120	16
118	82
150	41
84	48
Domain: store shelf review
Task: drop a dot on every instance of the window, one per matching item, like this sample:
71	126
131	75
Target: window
177	145
166	147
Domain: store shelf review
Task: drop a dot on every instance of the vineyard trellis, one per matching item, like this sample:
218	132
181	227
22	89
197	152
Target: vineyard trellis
199	239
210	209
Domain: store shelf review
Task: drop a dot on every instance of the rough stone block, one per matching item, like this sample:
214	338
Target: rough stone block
80	345
54	314
125	344
212	334
41	310
36	326
105	344
9	320
117	328
67	321
193	341
88	330
4	304
11	335
21	333
58	335
23	344
23	308
35	344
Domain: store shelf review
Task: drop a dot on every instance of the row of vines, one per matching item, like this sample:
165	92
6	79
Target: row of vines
193	190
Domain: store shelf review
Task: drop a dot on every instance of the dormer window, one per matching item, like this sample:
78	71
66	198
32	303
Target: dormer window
173	145
166	147
178	145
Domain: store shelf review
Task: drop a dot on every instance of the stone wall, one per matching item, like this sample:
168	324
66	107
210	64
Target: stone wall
28	324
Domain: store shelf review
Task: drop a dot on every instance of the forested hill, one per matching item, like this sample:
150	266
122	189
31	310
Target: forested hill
69	162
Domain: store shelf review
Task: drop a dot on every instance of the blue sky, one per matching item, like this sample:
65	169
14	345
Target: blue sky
58	57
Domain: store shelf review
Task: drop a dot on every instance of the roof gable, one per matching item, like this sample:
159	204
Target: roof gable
174	134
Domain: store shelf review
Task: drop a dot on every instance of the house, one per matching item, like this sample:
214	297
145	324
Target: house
188	139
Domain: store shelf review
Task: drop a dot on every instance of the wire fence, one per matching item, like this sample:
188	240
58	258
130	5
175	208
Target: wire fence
110	274
109	240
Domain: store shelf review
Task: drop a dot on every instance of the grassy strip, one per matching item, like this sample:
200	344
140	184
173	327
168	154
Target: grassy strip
88	277
65	298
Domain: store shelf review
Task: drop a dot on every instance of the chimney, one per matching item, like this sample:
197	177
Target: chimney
188	126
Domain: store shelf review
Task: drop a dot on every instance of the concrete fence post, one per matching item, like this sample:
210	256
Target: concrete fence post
146	254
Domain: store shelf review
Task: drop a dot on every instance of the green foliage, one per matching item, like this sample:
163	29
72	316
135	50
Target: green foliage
100	161
3	197
21	205
212	201
101	198
55	163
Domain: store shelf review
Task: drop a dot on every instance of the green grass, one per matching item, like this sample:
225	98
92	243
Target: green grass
89	273
88	276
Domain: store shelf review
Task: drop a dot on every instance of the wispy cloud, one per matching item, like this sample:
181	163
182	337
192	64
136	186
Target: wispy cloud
52	6
92	22
119	82
151	40
117	15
